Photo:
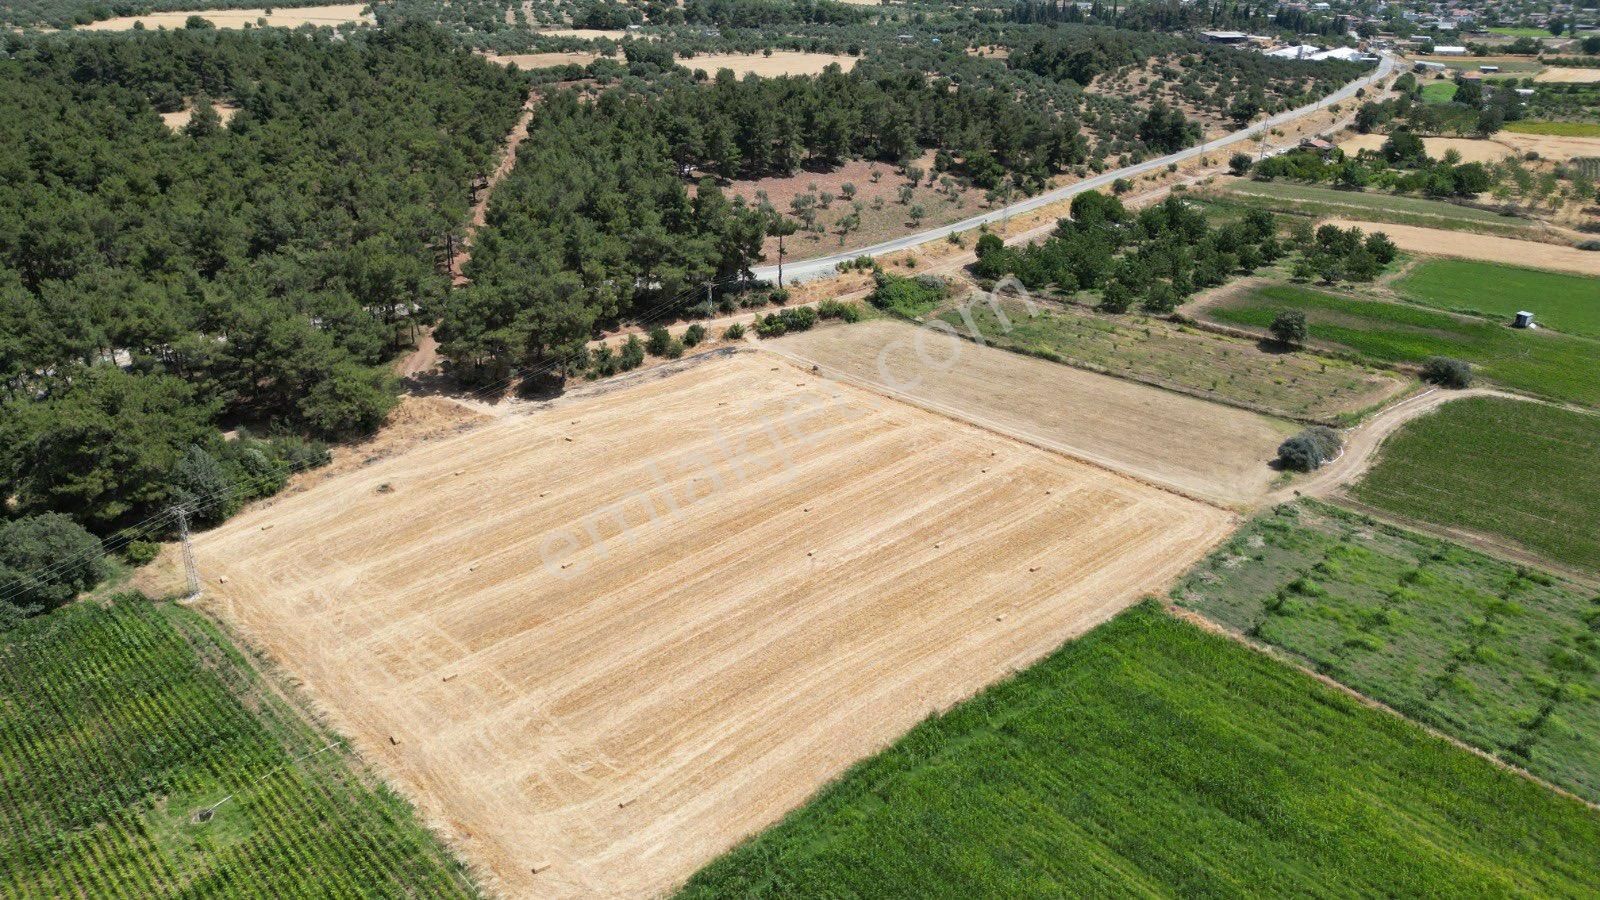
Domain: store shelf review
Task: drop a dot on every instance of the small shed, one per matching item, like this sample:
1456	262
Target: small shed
1524	320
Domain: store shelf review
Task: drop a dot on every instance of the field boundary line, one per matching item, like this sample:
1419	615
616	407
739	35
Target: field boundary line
1015	434
1282	656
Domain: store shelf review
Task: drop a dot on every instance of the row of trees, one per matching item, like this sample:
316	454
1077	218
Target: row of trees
156	286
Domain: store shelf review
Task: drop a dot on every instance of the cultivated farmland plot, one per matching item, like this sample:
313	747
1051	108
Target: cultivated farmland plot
1212	452
601	643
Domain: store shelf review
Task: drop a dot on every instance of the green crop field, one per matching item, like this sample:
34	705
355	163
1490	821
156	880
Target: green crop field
118	724
1556	129
1508	468
1315	200
1233	370
1513	31
1151	758
1439	92
1541	362
1569	303
1496	655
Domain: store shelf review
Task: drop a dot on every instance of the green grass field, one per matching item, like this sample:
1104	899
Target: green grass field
1512	31
1569	303
1315	200
1490	653
1232	370
1557	129
1540	362
1150	758
1508	468
1439	92
118	724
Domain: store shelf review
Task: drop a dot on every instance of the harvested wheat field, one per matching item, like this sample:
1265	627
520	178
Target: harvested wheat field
1216	453
1551	146
1471	149
238	18
1568	75
589	699
1464	245
781	62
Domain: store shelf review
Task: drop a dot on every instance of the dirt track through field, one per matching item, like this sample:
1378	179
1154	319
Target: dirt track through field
607	728
1465	245
1204	450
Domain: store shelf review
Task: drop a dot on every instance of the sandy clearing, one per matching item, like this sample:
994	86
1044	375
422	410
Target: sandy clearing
708	670
1123	425
1466	245
781	62
1566	75
179	119
1471	150
546	60
336	14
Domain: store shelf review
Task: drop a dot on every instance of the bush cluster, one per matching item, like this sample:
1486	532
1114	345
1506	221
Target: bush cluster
1309	449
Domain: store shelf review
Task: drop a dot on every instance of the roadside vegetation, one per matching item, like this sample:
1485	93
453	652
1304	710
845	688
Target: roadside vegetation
1567	303
141	755
1317	201
1500	656
1074	776
1541	362
1507	468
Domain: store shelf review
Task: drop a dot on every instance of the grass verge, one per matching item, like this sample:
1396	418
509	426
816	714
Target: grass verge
1493	654
1508	468
1152	758
119	723
1540	362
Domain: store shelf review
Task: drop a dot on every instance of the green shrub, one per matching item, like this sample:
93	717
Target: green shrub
141	553
1309	449
1447	372
632	355
734	332
694	335
659	339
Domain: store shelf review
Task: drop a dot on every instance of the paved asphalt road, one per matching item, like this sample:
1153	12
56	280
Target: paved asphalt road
824	265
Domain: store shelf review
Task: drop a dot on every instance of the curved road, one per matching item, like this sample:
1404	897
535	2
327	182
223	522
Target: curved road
824	265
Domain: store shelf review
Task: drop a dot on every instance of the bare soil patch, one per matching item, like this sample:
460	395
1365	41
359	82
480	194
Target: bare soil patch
1216	453
781	62
707	669
1465	245
1471	150
545	60
336	14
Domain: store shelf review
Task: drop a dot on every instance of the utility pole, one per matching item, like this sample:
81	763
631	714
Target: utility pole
780	260
190	571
